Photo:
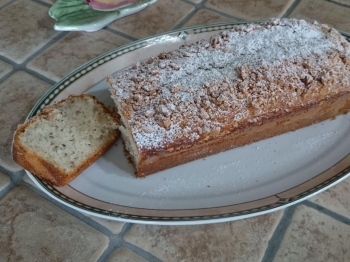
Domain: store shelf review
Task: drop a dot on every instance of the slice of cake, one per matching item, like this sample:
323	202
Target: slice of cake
240	86
64	139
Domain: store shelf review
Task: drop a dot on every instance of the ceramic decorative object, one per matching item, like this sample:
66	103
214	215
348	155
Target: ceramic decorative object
108	5
80	15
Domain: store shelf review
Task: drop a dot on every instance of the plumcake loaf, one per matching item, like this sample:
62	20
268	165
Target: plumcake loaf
65	138
240	86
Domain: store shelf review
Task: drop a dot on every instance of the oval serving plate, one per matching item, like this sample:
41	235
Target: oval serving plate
252	180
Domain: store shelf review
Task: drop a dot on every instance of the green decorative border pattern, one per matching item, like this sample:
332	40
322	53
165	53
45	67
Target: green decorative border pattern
281	202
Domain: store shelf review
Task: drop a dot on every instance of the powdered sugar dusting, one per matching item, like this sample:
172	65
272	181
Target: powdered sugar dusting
318	142
206	89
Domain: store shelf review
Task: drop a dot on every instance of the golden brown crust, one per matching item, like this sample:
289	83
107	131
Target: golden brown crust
326	109
226	91
45	170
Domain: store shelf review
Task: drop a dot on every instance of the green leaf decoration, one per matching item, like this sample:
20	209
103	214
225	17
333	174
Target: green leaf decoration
77	15
64	7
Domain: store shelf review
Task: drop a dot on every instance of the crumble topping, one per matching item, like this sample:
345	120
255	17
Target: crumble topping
209	88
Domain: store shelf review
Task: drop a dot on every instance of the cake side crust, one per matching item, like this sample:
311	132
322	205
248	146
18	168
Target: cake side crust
304	117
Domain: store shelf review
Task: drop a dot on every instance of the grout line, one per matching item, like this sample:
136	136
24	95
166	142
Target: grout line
114	243
339	4
202	4
226	15
221	13
6	76
145	254
117	241
148	256
291	8
53	41
185	19
5	5
15	179
198	6
125	229
14	66
38	75
189	15
7	60
7	189
29	71
42	2
23	67
79	215
327	212
107	28
278	234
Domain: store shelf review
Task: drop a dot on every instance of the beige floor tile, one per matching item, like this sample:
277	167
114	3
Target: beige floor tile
336	198
4	181
336	16
18	95
4	68
114	226
32	229
25	27
244	240
202	17
124	254
4	2
313	236
157	18
251	9
74	50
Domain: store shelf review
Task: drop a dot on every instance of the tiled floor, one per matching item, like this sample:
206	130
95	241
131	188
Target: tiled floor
244	240
313	236
34	227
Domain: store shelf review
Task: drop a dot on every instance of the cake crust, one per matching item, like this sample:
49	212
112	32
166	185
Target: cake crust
182	101
245	135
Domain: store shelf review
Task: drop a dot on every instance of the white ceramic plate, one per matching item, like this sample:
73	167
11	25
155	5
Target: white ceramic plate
247	181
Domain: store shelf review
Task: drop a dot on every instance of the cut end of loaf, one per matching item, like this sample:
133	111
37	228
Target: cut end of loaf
65	138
